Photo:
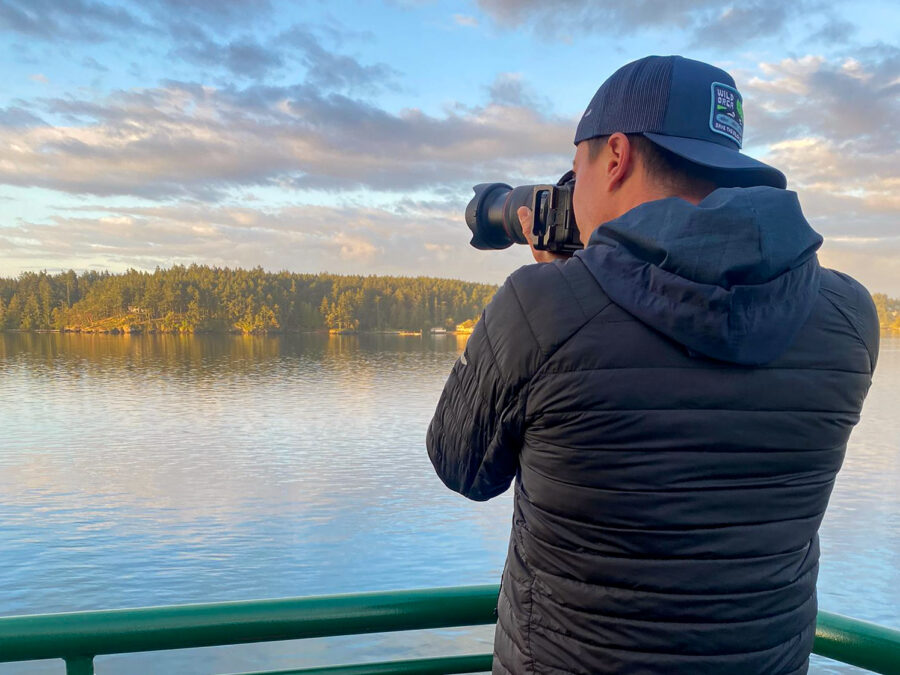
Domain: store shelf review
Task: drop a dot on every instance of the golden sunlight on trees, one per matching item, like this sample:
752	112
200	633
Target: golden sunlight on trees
888	312
206	299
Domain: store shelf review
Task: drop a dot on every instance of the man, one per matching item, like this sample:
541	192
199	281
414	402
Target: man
674	401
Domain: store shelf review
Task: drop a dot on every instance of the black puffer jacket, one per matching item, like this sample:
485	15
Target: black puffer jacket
674	403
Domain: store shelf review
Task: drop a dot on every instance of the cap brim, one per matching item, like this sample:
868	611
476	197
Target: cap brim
736	170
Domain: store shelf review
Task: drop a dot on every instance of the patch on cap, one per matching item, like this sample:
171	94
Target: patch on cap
726	115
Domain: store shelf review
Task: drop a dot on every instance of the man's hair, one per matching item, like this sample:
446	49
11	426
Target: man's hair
674	173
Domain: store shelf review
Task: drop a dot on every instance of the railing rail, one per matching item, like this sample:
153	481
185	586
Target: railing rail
77	637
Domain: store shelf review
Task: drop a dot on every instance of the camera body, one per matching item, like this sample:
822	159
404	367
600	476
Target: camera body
492	217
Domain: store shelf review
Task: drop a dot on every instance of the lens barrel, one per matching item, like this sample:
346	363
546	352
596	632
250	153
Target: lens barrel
492	217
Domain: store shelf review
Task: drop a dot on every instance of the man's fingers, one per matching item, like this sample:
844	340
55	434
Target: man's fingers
525	221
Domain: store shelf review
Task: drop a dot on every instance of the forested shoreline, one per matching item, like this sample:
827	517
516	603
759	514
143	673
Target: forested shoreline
202	299
888	312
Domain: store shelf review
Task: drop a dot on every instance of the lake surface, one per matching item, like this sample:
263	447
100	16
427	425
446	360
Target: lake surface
153	470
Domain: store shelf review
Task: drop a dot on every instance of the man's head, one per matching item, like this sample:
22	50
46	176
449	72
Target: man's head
661	127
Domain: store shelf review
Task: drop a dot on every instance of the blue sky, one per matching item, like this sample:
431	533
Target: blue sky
346	136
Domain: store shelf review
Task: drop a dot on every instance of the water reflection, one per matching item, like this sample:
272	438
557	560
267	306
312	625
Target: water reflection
141	470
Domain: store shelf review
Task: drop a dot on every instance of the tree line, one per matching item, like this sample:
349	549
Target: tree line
211	299
888	312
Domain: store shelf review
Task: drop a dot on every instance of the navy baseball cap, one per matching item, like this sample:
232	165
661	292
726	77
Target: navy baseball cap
688	107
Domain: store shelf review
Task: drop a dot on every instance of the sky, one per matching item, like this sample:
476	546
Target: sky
346	136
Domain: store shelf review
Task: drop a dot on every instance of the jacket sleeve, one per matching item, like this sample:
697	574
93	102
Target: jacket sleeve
474	438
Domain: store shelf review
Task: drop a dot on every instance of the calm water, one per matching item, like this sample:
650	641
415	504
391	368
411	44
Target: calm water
165	470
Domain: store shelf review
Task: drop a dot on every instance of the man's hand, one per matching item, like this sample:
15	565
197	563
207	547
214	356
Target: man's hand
526	219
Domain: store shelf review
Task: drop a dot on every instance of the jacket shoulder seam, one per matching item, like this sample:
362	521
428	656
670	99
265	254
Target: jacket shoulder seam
572	290
825	294
512	286
490	346
563	343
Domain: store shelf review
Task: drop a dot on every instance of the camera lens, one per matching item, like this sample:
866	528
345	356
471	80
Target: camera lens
492	217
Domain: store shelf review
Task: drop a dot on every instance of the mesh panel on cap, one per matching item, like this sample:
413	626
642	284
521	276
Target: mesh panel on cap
633	99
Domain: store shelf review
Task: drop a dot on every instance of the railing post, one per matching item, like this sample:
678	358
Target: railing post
80	665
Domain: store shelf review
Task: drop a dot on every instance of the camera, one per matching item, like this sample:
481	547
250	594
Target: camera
491	215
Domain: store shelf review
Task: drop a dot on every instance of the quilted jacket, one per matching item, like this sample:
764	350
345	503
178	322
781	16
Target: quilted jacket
673	404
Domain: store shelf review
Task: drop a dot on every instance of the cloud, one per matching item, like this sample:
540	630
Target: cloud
38	77
185	26
15	117
244	56
357	248
300	44
185	139
843	98
509	89
833	32
830	125
708	22
427	241
742	22
93	21
76	20
408	237
211	33
866	181
875	264
465	20
93	64
331	71
218	13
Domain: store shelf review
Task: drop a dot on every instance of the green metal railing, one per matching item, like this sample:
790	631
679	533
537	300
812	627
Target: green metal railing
78	637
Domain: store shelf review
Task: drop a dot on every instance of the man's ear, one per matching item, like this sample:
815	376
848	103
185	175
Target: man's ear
619	160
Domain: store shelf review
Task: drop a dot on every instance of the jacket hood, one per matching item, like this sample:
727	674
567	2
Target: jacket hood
733	277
